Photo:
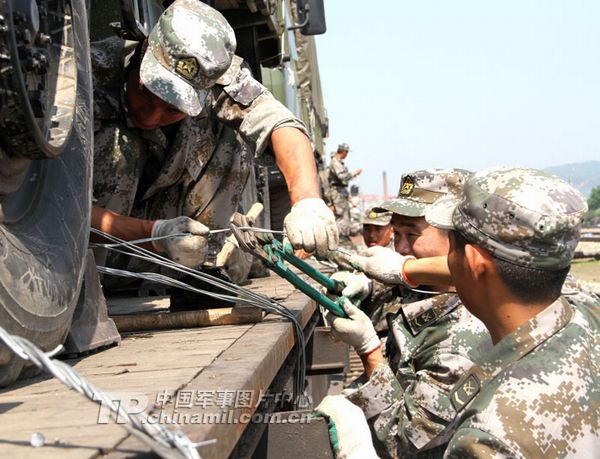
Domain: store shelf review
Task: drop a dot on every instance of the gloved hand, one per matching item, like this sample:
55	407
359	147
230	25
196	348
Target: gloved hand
235	261
357	330
348	429
190	250
311	226
358	286
382	264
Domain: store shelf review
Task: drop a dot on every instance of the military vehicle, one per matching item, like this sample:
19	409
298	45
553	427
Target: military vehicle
45	169
46	129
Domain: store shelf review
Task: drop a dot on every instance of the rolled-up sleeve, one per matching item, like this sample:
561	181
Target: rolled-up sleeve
410	417
242	103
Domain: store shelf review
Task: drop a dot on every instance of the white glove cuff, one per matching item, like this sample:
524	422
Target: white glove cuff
369	345
158	246
308	202
403	276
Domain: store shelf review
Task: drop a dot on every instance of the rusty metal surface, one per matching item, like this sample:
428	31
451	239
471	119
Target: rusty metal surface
295	440
326	354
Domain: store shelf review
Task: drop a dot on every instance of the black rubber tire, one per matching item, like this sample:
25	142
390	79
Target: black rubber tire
43	245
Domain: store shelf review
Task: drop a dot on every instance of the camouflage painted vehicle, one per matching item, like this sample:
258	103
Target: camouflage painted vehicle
45	169
46	138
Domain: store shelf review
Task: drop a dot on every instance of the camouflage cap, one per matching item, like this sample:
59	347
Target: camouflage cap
377	218
190	47
524	216
420	189
343	147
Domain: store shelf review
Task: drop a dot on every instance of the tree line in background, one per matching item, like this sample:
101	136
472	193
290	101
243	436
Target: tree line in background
593	216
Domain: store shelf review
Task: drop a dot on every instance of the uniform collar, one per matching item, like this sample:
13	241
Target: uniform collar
510	349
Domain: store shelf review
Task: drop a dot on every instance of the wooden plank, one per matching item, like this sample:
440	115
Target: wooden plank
140	366
240	357
250	364
238	315
129	305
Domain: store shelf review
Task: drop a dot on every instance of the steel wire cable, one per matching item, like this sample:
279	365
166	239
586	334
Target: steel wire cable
170	444
247	296
177	235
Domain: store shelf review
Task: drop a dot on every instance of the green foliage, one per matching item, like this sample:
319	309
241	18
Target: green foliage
594	199
592	218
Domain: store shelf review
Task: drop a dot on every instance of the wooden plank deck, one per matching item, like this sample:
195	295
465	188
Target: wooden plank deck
240	359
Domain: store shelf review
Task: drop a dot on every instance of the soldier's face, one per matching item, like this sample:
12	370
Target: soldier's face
414	236
146	110
377	235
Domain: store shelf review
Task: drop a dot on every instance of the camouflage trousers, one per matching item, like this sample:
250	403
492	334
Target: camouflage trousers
211	198
339	198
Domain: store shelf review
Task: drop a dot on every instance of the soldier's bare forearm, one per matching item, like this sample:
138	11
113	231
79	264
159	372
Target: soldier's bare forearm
371	361
126	228
295	158
428	271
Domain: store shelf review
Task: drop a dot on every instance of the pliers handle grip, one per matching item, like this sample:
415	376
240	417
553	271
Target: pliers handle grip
273	254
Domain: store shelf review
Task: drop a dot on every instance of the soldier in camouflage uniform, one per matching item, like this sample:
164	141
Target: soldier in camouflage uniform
432	338
339	178
377	229
148	167
536	393
355	212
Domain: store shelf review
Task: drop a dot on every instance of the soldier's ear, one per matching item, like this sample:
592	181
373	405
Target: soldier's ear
479	261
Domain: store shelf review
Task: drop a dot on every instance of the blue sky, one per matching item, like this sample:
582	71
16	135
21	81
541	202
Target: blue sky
421	83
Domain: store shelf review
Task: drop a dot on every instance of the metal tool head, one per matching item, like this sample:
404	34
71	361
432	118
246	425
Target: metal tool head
248	240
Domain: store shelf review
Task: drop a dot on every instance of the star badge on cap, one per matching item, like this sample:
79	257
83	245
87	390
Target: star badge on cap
407	186
373	215
187	67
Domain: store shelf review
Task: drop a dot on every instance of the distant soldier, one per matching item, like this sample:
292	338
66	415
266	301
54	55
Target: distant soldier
536	393
377	228
169	115
339	178
355	212
431	337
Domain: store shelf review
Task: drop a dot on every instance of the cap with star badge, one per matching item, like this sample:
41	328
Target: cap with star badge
420	189
377	218
524	216
190	47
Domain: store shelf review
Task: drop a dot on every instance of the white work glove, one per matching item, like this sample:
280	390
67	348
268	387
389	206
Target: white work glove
349	432
190	250
311	226
357	330
358	286
382	264
236	262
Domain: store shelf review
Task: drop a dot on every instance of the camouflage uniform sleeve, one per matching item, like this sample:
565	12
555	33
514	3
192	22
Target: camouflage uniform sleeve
340	172
476	443
409	408
378	393
405	420
242	103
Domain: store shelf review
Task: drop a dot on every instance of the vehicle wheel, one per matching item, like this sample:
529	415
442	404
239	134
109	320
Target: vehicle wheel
46	105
